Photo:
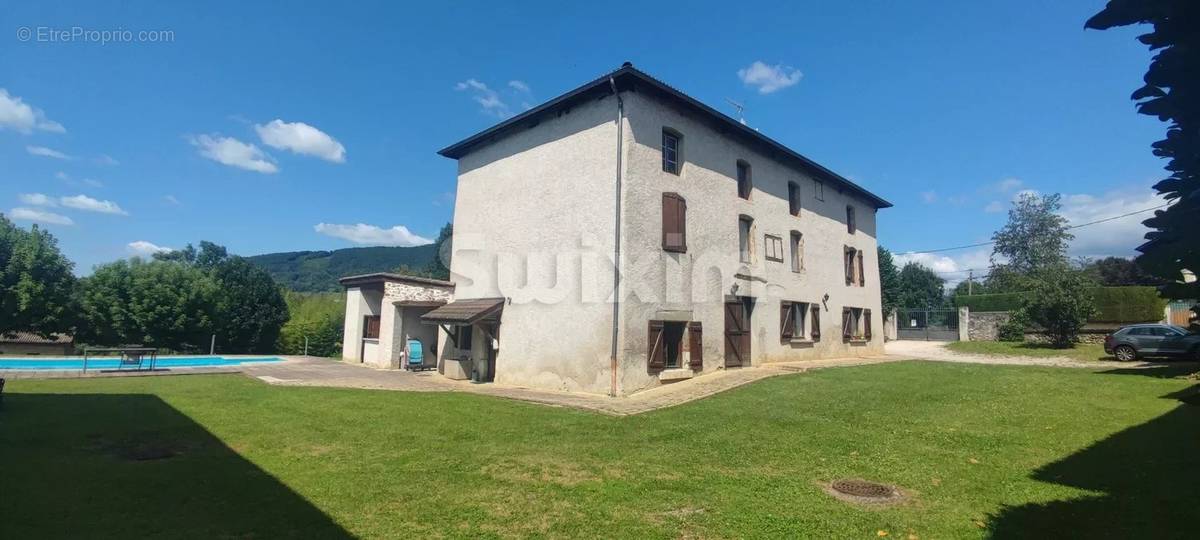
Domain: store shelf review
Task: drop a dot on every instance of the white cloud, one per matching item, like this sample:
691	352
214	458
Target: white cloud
37	199
301	138
487	98
1025	193
105	159
91	182
144	248
235	153
83	202
994	207
1118	237
769	78
1007	185
46	152
35	214
519	86
929	197
17	115
62	176
372	235
950	266
170	199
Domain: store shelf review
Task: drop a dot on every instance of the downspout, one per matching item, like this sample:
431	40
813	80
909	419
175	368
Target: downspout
616	240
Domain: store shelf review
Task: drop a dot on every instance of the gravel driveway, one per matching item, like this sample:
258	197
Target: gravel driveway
936	350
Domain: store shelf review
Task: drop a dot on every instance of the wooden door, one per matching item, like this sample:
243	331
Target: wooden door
737	333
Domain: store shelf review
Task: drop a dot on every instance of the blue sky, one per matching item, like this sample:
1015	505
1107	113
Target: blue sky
255	122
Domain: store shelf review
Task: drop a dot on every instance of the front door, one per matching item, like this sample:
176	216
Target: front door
737	332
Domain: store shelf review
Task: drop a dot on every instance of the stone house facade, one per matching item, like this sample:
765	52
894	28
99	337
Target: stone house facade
732	249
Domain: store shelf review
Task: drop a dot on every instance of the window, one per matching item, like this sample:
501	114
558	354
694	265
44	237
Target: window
462	339
793	319
797	251
666	346
745	184
794	198
853	262
850	224
371	327
815	321
774	247
745	228
674	223
671	150
856	324
818	190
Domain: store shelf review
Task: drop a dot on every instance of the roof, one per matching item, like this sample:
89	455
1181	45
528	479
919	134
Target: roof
629	78
31	338
381	277
461	312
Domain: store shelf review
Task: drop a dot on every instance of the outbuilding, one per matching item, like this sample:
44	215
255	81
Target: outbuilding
383	313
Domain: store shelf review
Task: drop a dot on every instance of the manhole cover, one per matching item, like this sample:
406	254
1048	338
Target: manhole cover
862	488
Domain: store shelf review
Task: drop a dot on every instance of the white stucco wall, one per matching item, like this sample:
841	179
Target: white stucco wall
360	303
534	223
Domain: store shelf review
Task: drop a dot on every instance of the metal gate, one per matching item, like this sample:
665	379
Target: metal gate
927	324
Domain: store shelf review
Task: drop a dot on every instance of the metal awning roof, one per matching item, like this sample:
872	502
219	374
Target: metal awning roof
464	312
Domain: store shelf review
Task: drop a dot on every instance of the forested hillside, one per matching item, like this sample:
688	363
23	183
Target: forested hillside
317	271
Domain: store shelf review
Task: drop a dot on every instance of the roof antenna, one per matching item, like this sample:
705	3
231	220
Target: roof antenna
739	108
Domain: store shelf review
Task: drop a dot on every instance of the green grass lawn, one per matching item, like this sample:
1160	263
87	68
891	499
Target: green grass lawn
1081	351
982	450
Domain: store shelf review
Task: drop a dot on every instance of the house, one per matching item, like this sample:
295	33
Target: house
28	343
383	312
733	250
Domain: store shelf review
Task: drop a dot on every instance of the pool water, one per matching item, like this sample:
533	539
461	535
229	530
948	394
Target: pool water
111	362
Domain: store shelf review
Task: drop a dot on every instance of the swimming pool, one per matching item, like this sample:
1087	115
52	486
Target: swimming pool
109	362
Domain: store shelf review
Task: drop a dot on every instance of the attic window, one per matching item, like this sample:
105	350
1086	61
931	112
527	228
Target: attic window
671	148
744	182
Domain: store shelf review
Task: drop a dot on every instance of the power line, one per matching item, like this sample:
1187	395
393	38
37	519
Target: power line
981	244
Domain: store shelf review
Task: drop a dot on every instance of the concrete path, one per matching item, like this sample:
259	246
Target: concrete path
329	373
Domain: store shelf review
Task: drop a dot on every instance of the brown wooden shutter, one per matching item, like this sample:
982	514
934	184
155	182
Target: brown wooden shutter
847	323
371	327
862	274
696	345
816	323
674	223
867	323
785	320
848	260
655	352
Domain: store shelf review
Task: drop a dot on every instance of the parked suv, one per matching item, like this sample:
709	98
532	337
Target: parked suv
1131	342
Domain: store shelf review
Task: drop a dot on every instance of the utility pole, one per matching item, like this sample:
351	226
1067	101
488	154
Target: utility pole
970	281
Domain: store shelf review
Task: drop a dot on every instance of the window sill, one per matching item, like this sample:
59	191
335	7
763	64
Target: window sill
856	340
801	341
675	374
675	249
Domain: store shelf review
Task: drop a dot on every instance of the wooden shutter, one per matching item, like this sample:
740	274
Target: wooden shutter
848	260
785	320
696	345
674	223
847	323
371	327
867	323
655	353
816	323
862	275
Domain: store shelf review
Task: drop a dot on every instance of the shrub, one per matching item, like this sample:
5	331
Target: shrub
990	302
1127	304
1014	328
1060	303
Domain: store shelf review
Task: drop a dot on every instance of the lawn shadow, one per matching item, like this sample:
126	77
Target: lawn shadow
132	466
1158	370
1145	478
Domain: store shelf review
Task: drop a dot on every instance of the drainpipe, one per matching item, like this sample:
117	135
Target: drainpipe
616	240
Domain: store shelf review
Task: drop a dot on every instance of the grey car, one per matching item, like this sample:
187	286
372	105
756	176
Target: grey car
1139	340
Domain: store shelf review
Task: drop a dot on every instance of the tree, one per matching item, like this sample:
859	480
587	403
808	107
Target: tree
439	267
165	304
1035	237
1170	94
970	286
920	287
1119	272
889	280
1060	302
36	283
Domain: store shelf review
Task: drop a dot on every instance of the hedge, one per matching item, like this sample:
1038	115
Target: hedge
1113	304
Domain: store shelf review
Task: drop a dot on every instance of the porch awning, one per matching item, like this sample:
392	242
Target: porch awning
464	312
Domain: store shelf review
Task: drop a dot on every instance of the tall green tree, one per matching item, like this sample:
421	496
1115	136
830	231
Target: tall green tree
1060	303
1171	93
36	283
1035	236
439	267
1119	272
921	287
889	280
165	304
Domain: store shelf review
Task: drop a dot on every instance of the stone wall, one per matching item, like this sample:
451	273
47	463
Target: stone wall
404	292
985	325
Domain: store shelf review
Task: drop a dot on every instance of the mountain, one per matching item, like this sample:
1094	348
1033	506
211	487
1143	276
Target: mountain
316	271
